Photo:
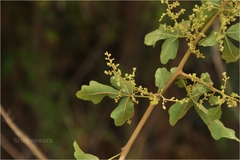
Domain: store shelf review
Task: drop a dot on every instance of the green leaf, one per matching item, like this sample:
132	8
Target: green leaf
178	110
234	32
230	52
169	49
213	100
214	113
201	88
206	78
181	82
123	111
216	127
79	154
173	70
209	40
96	91
120	83
162	75
198	90
201	107
159	34
196	93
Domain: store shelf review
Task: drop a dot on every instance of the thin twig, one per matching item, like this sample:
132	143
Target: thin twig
35	150
11	150
115	156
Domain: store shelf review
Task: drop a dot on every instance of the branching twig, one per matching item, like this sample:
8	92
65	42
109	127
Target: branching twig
127	147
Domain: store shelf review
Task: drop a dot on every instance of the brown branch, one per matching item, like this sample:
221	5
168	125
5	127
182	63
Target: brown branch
135	133
35	150
11	150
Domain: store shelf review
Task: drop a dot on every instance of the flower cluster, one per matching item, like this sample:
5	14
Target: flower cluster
211	94
164	100
189	28
224	79
172	15
198	18
112	65
127	83
192	47
116	71
227	15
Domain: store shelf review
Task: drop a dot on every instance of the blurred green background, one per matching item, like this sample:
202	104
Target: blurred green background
50	49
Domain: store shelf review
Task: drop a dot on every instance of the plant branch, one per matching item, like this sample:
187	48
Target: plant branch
127	147
188	53
115	156
35	150
135	133
209	86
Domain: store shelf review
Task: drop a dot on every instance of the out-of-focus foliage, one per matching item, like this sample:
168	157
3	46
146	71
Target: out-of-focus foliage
49	49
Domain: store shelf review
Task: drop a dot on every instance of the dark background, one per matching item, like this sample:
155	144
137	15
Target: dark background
50	49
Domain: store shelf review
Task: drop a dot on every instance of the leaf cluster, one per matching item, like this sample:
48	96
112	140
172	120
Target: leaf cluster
199	90
123	90
189	28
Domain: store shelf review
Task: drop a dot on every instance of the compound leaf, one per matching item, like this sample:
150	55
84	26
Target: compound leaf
234	32
162	75
169	49
216	127
230	52
123	112
159	34
79	154
95	92
209	40
178	110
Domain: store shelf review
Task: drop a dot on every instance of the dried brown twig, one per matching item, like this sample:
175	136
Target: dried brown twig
35	150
